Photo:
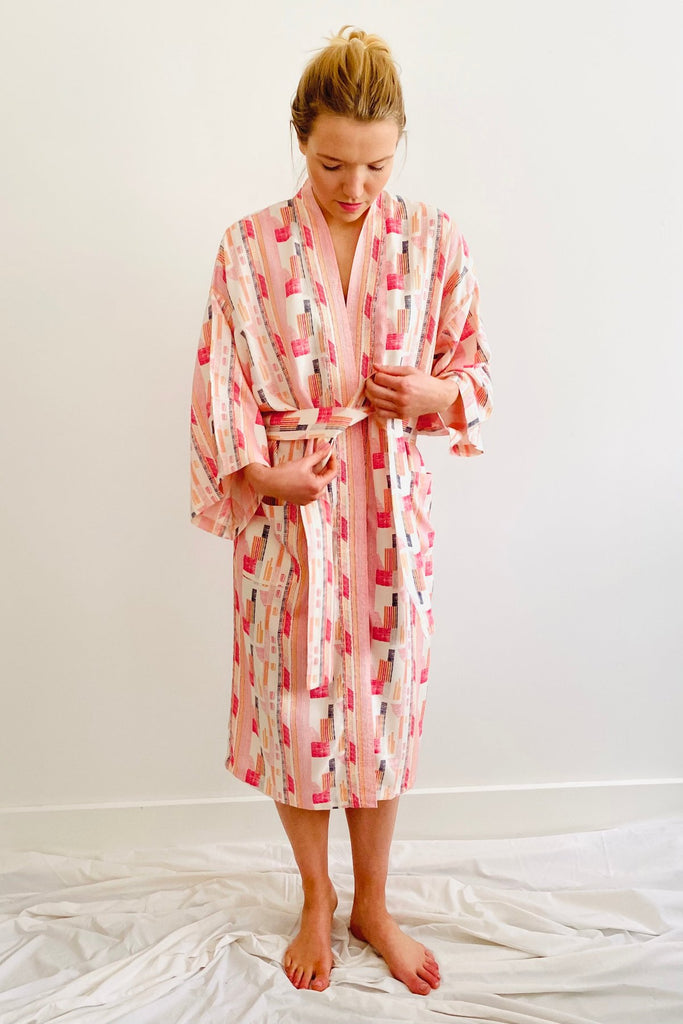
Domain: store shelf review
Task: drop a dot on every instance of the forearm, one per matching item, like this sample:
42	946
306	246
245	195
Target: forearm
260	479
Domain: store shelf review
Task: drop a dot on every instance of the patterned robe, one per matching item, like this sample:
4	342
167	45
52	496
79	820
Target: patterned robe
332	600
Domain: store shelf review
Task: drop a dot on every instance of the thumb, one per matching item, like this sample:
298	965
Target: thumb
329	470
320	453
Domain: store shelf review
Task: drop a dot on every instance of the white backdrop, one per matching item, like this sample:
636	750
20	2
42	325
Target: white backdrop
134	133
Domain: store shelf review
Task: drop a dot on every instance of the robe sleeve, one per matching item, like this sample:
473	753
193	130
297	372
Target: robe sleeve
461	351
226	428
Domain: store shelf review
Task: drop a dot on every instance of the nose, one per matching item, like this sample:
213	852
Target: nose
354	185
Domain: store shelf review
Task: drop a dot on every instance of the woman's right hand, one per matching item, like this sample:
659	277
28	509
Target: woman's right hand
300	481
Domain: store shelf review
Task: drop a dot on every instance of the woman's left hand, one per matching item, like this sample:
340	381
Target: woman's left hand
404	392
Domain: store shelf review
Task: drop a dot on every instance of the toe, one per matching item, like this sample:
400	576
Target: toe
320	983
430	968
306	979
414	983
432	979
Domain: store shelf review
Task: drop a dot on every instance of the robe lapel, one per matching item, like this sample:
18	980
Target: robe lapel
349	320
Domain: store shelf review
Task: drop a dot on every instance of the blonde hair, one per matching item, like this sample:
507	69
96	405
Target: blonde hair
356	76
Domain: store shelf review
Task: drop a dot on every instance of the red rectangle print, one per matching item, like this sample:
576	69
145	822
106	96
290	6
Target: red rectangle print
300	347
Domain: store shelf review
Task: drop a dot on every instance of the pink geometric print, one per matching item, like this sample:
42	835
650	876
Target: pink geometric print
332	600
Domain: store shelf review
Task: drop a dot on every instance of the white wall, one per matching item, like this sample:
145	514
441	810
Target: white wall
134	133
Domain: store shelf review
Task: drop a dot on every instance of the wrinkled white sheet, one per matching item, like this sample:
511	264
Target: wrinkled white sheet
584	928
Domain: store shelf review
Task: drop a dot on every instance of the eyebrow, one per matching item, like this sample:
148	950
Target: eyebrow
336	160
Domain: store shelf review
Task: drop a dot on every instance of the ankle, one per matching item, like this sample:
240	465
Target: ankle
318	889
369	902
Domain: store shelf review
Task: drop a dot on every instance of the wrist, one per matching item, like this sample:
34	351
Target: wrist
452	390
257	476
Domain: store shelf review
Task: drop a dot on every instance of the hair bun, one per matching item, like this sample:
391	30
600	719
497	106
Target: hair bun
354	76
368	41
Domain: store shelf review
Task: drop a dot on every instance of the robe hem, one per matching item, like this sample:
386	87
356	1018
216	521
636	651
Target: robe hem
311	806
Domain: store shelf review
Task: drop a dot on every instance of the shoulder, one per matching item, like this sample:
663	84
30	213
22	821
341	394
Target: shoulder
240	231
421	218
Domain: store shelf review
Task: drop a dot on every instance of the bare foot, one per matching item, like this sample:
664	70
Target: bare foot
408	960
308	959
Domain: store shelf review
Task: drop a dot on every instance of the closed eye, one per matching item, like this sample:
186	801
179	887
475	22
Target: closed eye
337	167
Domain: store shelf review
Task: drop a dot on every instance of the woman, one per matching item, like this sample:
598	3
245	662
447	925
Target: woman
340	324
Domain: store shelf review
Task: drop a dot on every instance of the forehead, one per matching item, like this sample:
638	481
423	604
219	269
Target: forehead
353	141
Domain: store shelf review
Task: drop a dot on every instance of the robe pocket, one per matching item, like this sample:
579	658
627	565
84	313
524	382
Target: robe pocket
262	557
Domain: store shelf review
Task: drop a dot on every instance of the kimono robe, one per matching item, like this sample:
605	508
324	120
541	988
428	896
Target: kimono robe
332	600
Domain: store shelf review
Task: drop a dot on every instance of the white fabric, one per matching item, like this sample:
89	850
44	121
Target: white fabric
571	929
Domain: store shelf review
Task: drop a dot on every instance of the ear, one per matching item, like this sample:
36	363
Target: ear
302	146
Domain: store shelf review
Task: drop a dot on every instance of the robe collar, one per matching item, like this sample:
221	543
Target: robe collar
374	213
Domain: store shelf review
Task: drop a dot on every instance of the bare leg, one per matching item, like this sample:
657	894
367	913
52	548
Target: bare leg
371	830
308	960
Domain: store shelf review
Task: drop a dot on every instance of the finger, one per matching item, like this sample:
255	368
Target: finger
316	455
395	387
323	457
329	472
382	387
328	451
395	371
383	382
387	398
381	405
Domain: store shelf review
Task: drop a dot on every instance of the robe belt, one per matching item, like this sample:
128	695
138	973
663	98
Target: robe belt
300	424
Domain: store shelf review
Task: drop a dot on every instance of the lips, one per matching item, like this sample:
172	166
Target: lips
350	207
